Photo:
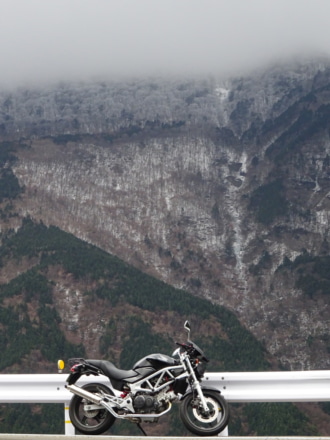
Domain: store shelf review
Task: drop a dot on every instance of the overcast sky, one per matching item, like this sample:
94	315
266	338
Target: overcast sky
67	39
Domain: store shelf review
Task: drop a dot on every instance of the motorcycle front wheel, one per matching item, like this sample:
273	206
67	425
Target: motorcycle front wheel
91	421
197	421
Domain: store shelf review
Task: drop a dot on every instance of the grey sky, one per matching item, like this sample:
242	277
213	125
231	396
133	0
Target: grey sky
67	39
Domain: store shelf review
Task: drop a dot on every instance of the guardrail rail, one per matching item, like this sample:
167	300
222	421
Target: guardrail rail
270	386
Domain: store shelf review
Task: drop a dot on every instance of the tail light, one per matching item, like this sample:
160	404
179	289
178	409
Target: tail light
75	368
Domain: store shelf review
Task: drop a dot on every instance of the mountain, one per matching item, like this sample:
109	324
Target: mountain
67	298
217	187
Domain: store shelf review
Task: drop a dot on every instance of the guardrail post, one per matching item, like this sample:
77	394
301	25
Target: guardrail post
224	433
68	426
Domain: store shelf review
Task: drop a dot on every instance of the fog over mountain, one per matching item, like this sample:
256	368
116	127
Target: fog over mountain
80	39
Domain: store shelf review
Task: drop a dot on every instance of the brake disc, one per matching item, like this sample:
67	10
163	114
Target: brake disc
211	416
90	411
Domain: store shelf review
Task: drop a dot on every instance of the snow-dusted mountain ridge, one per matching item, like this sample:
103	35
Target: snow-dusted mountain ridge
220	187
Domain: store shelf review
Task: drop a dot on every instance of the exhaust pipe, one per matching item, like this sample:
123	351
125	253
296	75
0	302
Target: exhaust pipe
84	394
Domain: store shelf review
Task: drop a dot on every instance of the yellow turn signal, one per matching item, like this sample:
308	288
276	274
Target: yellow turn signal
60	365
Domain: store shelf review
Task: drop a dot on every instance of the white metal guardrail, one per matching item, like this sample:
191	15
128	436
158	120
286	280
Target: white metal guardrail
281	386
272	386
40	388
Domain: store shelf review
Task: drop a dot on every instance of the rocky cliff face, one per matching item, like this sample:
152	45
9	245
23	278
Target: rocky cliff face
217	187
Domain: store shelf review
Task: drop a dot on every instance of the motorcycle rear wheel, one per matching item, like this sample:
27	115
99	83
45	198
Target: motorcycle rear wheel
195	419
94	421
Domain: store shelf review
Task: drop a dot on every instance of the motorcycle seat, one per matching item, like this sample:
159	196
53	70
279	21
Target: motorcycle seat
110	370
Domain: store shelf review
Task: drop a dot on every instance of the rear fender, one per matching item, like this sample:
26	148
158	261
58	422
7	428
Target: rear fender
81	370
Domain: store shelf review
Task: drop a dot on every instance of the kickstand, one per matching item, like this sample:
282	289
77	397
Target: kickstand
141	429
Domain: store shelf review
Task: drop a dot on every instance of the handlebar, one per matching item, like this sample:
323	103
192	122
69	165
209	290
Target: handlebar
192	347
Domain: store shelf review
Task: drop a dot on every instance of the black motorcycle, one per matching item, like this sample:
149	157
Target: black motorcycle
147	391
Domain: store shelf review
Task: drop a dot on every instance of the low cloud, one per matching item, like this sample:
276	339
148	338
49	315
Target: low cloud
80	39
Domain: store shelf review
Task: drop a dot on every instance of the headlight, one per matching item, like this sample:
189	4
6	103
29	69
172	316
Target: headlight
200	368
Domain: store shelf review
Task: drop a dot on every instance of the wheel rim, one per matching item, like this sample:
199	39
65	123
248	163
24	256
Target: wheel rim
202	421
90	417
215	413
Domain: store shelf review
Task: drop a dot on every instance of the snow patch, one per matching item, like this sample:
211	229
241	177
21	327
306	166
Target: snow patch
222	93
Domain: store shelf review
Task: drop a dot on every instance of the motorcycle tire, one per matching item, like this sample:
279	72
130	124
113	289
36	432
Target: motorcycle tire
94	421
199	423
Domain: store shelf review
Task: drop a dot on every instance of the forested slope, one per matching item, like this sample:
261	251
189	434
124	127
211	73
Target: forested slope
137	315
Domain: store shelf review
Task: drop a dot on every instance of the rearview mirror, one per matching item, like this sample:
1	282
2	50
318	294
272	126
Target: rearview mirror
187	328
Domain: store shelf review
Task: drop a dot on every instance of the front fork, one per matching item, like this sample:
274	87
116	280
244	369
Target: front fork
195	384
